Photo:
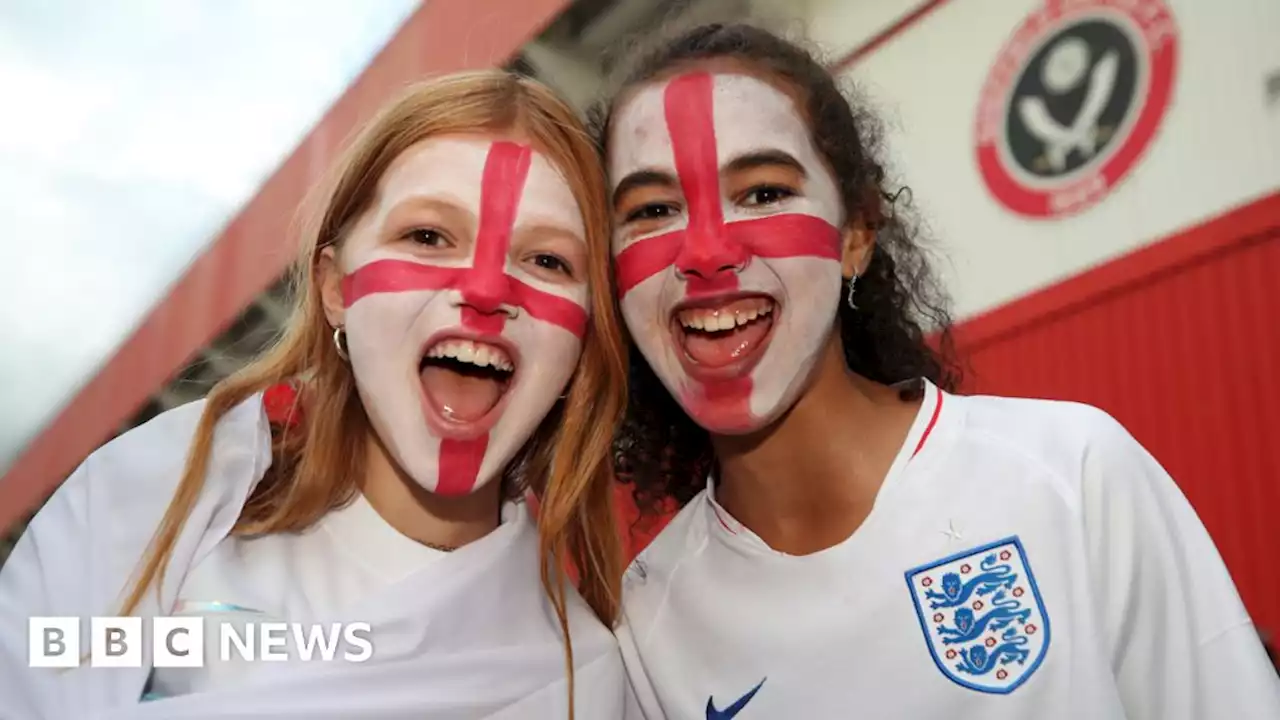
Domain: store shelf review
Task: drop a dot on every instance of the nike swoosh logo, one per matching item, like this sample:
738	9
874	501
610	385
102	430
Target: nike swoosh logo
732	711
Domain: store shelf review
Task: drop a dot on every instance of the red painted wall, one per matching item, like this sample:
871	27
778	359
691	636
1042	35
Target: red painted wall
1179	341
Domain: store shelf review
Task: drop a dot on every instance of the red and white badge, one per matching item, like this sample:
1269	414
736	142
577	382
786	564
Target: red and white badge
1073	101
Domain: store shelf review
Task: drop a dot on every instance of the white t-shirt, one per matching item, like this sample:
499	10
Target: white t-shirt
469	634
1024	559
307	577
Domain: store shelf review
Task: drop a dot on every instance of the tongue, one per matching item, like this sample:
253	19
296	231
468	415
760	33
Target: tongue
464	398
722	348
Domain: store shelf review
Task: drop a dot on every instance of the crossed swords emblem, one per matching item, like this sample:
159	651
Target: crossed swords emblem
1064	69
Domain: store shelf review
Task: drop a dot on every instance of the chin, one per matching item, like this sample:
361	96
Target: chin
744	404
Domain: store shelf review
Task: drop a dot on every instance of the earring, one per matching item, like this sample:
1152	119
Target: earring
339	340
853	284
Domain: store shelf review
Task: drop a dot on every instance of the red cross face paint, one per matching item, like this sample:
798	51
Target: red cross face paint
466	304
727	244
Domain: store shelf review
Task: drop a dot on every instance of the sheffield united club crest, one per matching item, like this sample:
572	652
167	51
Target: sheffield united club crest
982	616
1072	102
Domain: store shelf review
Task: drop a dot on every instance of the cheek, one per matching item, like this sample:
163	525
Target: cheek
381	326
645	311
812	287
548	355
564	306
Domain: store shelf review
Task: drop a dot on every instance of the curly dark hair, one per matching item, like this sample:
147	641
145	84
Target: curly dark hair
659	449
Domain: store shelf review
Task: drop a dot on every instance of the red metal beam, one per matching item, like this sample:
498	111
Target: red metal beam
884	36
1246	224
258	245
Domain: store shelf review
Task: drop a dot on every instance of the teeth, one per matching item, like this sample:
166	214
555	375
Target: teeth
717	320
474	353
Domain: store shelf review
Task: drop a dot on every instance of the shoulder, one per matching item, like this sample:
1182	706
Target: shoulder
149	459
651	571
1039	422
163	443
105	514
1060	436
167	434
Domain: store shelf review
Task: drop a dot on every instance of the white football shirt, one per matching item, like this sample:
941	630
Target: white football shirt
306	577
1024	559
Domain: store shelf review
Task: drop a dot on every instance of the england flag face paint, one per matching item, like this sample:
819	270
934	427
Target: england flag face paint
727	244
466	303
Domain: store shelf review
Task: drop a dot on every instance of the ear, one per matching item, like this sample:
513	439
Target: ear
328	276
857	241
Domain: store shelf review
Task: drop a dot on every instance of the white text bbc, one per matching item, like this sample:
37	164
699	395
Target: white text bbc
180	641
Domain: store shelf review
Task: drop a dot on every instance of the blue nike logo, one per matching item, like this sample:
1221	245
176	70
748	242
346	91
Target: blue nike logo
732	711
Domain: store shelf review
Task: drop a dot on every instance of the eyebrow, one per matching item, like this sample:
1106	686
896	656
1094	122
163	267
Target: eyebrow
446	207
644	178
764	158
547	229
744	162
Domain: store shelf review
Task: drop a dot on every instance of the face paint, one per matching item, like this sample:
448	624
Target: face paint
463	326
731	292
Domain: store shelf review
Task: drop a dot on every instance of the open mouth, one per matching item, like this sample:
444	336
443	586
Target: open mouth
724	336
464	380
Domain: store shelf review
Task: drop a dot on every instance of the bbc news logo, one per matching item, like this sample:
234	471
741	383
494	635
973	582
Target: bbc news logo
55	642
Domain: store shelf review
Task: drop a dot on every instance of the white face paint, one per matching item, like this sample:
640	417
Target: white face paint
466	300
727	244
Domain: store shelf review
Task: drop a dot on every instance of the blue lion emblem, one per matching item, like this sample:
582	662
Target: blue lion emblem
982	616
994	575
1004	612
977	660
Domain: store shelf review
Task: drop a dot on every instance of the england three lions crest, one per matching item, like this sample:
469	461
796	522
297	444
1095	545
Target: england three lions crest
982	616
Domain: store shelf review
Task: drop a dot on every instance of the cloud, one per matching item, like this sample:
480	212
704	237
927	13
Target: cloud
130	133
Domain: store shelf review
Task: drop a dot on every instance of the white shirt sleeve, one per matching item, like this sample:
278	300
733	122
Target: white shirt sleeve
46	575
1181	643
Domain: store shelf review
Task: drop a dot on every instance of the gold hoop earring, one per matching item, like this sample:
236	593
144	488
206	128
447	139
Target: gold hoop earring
339	341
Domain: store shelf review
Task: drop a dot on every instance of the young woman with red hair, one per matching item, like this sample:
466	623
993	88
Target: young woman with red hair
453	351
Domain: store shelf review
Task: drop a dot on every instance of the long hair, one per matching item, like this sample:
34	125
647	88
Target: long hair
660	449
315	462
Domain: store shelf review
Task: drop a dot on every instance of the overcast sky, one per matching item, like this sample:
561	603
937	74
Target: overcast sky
130	132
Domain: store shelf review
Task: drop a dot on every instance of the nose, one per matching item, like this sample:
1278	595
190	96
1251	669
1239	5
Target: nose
487	292
710	251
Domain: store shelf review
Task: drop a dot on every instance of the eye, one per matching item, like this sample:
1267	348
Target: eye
652	211
554	263
765	195
427	237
